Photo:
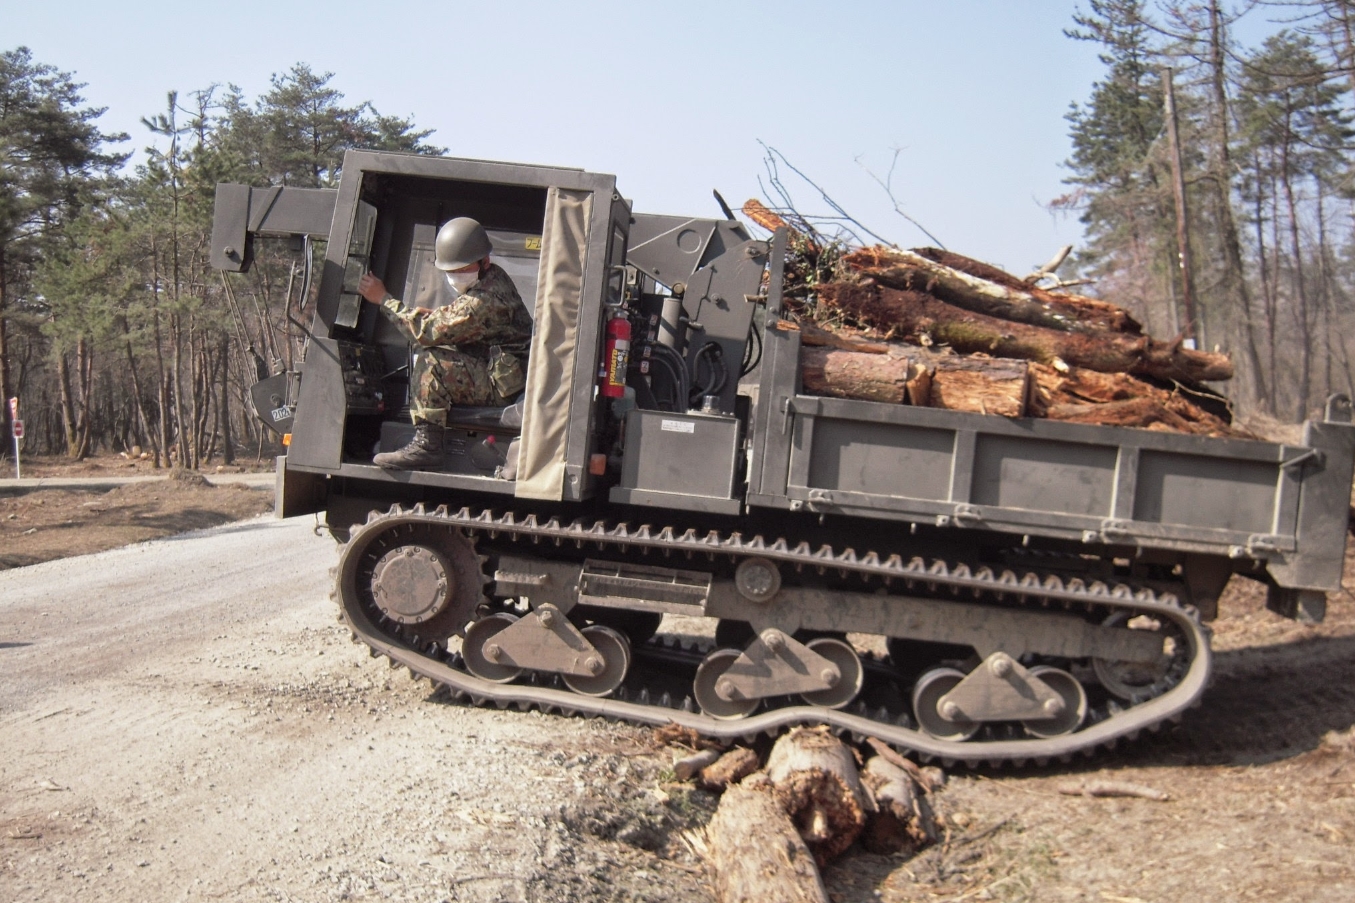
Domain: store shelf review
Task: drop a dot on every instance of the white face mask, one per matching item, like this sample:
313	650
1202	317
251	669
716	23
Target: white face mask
463	281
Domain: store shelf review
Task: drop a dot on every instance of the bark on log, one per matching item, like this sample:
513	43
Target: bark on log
915	314
816	780
903	819
930	779
810	334
729	769
979	385
983	289
755	853
851	374
909	375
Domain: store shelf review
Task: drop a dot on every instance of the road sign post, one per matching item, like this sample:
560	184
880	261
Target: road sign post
16	431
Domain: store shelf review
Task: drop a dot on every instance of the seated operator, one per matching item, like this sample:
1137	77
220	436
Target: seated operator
473	351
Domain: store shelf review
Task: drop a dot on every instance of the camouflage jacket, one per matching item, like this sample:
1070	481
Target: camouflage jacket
488	313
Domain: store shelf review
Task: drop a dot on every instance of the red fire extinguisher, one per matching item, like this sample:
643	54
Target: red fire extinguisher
615	356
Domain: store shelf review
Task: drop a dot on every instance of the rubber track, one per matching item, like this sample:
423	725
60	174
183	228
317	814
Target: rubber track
1124	723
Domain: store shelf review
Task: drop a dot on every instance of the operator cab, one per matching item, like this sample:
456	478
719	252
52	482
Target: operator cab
685	288
558	233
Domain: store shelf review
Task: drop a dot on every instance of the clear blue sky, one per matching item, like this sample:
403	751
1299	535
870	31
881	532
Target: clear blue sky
671	97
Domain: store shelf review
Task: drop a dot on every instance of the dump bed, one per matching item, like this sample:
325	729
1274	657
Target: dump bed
1284	507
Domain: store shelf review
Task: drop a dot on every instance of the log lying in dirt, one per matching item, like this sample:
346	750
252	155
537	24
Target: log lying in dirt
978	287
816	780
755	853
687	767
729	769
903	819
1115	788
926	319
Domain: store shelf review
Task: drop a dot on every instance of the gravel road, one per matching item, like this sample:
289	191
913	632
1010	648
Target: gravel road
184	720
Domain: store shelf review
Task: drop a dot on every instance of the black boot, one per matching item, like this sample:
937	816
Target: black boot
424	451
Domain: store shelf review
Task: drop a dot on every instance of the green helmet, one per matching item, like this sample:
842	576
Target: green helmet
461	242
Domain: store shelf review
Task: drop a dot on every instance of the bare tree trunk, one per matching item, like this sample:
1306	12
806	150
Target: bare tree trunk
1267	393
1300	289
84	359
1234	288
63	377
1274	314
223	406
917	314
140	406
1324	294
5	390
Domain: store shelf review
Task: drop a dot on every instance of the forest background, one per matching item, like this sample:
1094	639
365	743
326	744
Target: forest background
115	332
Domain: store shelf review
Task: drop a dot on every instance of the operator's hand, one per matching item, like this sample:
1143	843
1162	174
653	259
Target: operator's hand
371	288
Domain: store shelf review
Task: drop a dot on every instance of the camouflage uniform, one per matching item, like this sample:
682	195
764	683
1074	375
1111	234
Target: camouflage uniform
471	350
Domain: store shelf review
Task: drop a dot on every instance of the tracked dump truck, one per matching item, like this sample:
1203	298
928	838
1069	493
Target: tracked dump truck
966	587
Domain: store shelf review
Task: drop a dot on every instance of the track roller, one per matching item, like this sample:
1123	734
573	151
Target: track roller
927	694
482	654
707	684
615	653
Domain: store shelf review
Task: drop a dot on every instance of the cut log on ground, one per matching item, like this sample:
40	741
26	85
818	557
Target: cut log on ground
689	766
816	780
925	319
754	852
903	818
729	769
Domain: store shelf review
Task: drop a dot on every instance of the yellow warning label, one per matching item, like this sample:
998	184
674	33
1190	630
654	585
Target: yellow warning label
532	243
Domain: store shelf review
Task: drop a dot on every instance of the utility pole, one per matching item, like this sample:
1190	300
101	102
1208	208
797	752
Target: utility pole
1182	228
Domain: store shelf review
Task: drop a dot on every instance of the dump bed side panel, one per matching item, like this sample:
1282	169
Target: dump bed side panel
1100	485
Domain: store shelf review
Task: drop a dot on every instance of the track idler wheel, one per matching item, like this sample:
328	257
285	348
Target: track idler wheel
612	647
1139	681
708	685
927	694
483	655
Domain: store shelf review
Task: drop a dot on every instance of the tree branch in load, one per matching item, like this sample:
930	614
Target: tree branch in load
984	289
915	315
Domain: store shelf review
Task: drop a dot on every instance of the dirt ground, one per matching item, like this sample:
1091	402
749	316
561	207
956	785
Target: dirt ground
102	777
59	523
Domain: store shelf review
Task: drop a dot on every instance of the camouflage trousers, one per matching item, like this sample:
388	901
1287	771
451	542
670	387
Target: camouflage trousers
444	377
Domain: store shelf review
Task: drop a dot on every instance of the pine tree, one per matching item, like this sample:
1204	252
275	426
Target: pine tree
52	160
